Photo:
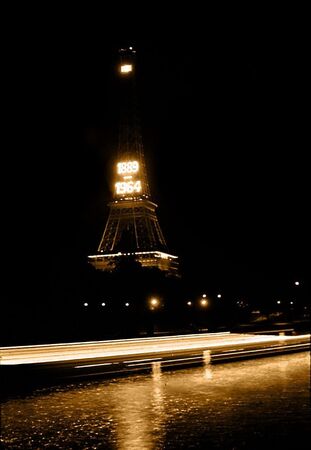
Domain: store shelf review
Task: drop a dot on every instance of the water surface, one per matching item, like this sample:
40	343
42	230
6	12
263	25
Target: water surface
242	405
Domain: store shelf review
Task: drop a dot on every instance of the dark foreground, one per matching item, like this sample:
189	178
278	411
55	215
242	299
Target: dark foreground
253	404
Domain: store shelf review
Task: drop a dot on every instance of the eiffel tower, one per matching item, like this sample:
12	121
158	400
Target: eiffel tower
132	229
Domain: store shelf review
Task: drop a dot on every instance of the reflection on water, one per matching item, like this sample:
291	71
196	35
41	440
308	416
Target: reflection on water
241	405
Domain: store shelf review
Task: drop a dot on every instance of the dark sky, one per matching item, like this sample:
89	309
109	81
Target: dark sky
223	123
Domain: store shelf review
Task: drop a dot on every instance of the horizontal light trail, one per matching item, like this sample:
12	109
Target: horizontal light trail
267	350
93	365
183	359
119	341
65	352
138	348
169	360
146	359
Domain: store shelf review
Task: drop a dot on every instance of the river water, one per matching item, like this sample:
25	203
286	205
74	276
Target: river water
254	404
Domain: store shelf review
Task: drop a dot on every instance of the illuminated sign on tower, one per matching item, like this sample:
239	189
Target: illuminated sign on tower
128	179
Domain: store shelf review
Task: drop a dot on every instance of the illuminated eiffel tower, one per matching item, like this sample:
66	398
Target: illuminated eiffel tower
132	228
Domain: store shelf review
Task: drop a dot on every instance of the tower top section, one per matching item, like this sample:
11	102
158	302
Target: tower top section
131	181
127	61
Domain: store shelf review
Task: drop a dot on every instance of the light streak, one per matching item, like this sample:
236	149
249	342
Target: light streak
139	360
138	347
265	350
169	360
178	336
94	365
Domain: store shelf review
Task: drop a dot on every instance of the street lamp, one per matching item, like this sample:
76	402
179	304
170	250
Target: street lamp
154	303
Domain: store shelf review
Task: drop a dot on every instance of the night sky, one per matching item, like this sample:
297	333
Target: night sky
223	130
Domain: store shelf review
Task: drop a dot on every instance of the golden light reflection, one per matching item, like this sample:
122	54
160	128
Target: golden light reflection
158	397
207	356
136	400
156	370
208	373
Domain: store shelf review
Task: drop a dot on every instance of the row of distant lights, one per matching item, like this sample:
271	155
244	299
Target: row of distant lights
104	304
153	302
204	302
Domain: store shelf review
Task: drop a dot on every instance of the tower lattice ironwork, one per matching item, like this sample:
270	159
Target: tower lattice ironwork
132	227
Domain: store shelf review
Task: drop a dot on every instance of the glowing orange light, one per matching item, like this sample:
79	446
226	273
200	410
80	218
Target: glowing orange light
126	68
154	301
